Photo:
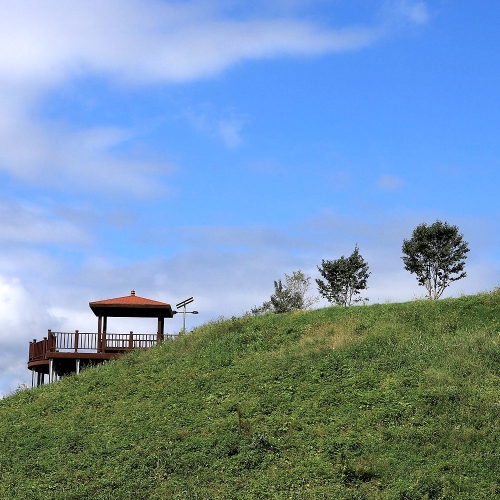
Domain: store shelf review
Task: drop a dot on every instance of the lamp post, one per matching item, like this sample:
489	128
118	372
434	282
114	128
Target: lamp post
183	304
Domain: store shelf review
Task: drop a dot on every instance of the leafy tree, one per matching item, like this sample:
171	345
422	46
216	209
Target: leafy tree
344	278
436	254
289	296
284	299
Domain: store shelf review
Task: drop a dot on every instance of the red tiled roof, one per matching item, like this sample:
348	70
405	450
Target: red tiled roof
129	300
131	306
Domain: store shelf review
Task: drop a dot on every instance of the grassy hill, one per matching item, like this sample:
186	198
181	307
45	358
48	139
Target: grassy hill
394	401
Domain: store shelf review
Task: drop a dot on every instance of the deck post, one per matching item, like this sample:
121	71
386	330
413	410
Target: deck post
51	370
76	340
32	378
51	341
77	367
131	341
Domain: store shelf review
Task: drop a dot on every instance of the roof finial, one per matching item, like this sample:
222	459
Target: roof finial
132	292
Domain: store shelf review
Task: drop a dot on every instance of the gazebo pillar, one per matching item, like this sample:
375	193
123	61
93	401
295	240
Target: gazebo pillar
102	327
99	333
161	328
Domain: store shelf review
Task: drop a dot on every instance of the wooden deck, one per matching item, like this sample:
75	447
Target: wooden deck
61	353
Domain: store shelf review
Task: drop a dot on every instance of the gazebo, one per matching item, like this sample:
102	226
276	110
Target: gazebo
61	353
131	306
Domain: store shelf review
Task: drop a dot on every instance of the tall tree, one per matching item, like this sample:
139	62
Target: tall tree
436	254
344	279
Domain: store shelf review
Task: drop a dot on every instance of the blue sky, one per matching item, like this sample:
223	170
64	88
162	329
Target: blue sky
208	147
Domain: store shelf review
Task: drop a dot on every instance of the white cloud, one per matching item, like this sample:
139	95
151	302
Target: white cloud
226	128
58	157
403	13
22	316
415	12
46	44
155	40
12	296
229	131
237	237
29	223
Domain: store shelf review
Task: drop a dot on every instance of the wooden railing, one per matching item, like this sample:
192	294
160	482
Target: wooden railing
92	342
121	341
39	349
76	341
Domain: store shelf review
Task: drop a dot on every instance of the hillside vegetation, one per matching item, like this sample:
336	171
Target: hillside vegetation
394	401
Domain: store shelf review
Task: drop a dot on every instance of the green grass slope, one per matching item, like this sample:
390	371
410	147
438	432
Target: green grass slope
395	401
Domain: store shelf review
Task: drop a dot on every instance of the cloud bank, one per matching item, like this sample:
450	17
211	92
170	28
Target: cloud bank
44	45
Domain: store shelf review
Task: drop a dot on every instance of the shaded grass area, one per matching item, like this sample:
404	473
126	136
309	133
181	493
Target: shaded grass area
394	401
